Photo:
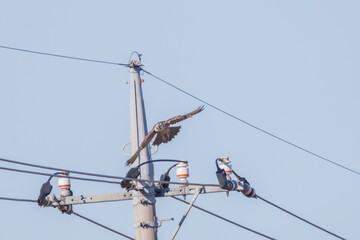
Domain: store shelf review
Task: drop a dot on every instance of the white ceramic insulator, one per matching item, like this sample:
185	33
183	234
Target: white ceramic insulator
182	172
64	183
225	164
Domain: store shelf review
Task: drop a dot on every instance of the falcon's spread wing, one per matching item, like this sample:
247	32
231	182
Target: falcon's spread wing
183	117
143	145
163	137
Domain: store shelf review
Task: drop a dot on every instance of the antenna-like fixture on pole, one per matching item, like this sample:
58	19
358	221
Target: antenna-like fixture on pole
139	55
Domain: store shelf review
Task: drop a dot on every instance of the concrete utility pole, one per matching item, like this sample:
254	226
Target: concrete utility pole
143	193
145	221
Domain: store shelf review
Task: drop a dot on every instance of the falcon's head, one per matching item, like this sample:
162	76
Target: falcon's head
159	127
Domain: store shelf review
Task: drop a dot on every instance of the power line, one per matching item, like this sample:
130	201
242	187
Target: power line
17	199
89	174
62	176
88	219
59	169
193	96
227	220
252	125
63	56
103	226
302	219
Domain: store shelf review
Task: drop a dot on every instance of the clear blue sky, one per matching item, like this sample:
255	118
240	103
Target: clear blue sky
289	67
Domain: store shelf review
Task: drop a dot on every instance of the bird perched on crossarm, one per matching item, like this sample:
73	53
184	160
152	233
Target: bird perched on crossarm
164	133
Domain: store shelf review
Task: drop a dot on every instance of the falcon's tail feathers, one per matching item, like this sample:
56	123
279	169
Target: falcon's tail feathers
167	136
172	132
131	160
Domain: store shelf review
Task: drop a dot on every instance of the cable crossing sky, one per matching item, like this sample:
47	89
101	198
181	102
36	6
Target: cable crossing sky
76	214
251	125
89	174
225	219
62	56
193	96
302	219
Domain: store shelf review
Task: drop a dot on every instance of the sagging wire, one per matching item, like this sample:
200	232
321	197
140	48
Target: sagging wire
252	125
223	174
76	214
18	199
160	160
134	173
105	181
103	226
52	175
62	56
193	96
298	217
225	219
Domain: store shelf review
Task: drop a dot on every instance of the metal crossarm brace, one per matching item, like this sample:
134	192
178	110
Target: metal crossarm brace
187	211
122	196
96	198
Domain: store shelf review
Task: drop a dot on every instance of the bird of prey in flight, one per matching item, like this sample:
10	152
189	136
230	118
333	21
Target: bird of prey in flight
164	133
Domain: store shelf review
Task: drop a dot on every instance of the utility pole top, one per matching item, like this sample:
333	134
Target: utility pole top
135	64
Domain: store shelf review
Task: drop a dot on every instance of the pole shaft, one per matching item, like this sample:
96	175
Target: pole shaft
144	206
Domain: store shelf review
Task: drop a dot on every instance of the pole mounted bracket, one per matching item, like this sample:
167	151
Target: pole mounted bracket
129	154
146	202
59	204
152	224
146	225
164	220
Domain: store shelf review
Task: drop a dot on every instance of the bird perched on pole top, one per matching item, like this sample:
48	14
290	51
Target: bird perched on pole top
164	133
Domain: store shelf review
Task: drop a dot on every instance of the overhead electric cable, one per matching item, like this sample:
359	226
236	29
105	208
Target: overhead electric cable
302	219
92	174
63	56
161	160
58	169
227	220
193	96
251	125
88	219
17	199
62	176
103	226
